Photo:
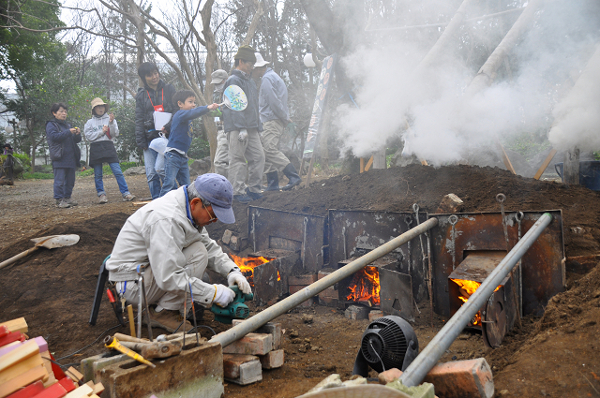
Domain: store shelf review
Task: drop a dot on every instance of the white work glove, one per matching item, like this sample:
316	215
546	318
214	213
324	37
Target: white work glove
236	278
223	295
243	136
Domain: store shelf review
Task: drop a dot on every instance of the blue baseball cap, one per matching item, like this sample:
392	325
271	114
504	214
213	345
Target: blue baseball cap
218	191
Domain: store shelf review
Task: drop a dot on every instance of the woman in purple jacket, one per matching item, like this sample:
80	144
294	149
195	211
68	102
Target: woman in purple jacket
65	154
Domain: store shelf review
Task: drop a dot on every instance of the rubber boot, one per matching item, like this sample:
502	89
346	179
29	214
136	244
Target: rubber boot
272	181
291	173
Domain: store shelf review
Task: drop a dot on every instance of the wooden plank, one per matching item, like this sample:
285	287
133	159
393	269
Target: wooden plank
20	367
505	158
29	349
81	392
74	374
369	164
362	165
31	376
16	325
29	391
544	165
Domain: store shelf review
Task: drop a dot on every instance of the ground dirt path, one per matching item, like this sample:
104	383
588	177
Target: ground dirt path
555	355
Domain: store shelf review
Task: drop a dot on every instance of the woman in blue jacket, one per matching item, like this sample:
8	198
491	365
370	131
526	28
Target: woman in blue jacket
64	152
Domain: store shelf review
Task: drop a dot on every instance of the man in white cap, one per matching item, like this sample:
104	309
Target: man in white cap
168	237
221	162
274	116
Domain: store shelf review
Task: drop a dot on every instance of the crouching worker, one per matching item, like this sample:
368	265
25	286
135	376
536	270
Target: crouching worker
168	235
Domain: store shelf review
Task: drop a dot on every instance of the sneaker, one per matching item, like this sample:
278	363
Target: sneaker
62	204
253	195
102	199
168	320
128	198
71	202
242	198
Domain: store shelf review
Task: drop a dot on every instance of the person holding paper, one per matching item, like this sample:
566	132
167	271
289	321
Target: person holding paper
153	98
100	131
180	139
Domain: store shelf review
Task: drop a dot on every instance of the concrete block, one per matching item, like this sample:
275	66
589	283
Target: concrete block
356	312
329	302
235	243
195	373
375	314
272	360
242	369
295	289
227	236
302	280
251	344
272	328
469	378
92	366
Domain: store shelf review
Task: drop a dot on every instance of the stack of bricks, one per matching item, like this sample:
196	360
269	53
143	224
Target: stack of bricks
299	282
245	359
26	369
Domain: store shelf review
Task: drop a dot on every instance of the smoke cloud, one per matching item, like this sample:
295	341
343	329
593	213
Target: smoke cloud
447	126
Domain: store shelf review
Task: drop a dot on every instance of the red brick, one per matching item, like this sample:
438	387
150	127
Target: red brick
375	315
54	391
272	360
470	378
302	280
272	328
28	391
251	344
241	369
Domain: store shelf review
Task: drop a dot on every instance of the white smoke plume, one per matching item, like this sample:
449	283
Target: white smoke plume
445	126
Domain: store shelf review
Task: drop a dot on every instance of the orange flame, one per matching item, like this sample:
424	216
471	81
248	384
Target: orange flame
248	264
365	286
467	288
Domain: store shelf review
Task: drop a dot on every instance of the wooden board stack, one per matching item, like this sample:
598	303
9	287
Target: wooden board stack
26	369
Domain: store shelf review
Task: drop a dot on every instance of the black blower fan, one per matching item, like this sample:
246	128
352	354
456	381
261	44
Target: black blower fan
388	342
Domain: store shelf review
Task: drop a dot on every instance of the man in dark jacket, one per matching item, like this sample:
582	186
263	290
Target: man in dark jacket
155	96
242	128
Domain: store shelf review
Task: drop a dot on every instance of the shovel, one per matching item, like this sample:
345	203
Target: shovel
49	242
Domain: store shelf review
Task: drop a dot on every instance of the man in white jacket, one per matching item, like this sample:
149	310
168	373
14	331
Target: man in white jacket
168	235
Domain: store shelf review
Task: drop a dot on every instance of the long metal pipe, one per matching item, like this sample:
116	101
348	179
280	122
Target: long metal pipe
418	369
253	323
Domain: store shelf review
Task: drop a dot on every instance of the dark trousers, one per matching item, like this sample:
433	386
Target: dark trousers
64	180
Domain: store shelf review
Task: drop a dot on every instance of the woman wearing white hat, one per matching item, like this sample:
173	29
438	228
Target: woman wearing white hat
100	131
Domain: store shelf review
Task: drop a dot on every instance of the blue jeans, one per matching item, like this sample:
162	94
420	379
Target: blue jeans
64	180
116	169
154	178
176	168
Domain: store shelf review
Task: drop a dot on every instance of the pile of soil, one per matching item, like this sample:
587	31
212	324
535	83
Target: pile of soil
54	289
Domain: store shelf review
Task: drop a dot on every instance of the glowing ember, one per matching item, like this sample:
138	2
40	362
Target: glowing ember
466	289
248	264
365	286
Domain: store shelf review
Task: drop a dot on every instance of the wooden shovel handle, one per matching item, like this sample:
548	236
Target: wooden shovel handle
17	257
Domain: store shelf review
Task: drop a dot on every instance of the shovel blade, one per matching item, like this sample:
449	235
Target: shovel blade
54	241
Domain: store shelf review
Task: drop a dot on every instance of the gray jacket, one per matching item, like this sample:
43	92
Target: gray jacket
248	118
156	234
273	98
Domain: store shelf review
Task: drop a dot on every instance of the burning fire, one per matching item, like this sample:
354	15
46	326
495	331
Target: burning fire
466	289
365	286
248	264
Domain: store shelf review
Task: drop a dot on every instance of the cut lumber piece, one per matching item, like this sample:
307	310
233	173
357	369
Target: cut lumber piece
16	325
369	164
81	392
98	388
54	391
48	365
67	384
20	368
544	165
4	331
29	391
9	347
74	374
31	376
21	353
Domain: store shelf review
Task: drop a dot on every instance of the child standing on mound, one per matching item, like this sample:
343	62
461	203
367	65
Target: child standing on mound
180	139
